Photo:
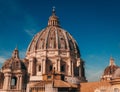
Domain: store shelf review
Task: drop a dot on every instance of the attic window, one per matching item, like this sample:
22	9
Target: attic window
49	77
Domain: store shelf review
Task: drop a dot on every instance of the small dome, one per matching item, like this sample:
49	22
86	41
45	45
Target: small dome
117	73
110	70
14	62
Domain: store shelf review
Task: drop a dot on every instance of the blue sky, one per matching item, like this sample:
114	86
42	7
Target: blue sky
95	24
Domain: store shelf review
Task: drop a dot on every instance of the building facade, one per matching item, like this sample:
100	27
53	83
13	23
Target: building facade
109	82
52	63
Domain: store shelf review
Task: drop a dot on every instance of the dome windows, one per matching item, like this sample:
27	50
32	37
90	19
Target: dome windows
39	68
50	68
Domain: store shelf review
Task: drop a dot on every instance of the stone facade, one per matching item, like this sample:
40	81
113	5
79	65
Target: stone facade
53	62
13	74
109	82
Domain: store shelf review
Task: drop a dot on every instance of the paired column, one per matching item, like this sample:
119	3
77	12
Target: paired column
7	81
44	66
19	82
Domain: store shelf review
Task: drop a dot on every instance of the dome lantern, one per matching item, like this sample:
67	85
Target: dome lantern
53	19
15	53
112	61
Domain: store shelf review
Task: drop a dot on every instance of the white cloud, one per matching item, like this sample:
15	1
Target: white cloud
2	59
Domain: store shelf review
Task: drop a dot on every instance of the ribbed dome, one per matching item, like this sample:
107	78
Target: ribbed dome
111	68
53	37
117	73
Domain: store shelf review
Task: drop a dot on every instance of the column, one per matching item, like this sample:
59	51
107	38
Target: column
70	68
9	83
58	65
44	66
6	82
20	82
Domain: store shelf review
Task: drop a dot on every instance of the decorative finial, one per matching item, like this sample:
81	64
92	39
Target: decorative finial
112	61
53	19
53	10
16	47
15	53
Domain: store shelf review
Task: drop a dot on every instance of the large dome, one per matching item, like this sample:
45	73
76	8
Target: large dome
53	37
54	50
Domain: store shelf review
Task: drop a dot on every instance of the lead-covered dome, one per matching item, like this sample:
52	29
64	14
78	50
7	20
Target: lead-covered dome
53	37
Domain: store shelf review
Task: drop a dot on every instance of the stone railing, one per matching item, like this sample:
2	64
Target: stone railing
1	90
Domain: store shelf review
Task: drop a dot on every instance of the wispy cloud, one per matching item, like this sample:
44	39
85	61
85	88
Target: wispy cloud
94	74
30	25
30	32
2	59
93	66
22	53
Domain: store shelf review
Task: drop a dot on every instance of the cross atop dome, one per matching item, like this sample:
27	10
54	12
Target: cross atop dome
53	19
53	10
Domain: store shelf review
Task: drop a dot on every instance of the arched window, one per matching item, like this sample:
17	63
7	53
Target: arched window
50	68
63	68
116	90
14	81
39	68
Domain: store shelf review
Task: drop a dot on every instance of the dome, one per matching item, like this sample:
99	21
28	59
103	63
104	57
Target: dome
117	73
53	49
14	62
53	37
111	68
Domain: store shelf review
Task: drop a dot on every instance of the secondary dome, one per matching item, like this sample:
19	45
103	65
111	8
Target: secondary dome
53	37
14	62
111	68
117	73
